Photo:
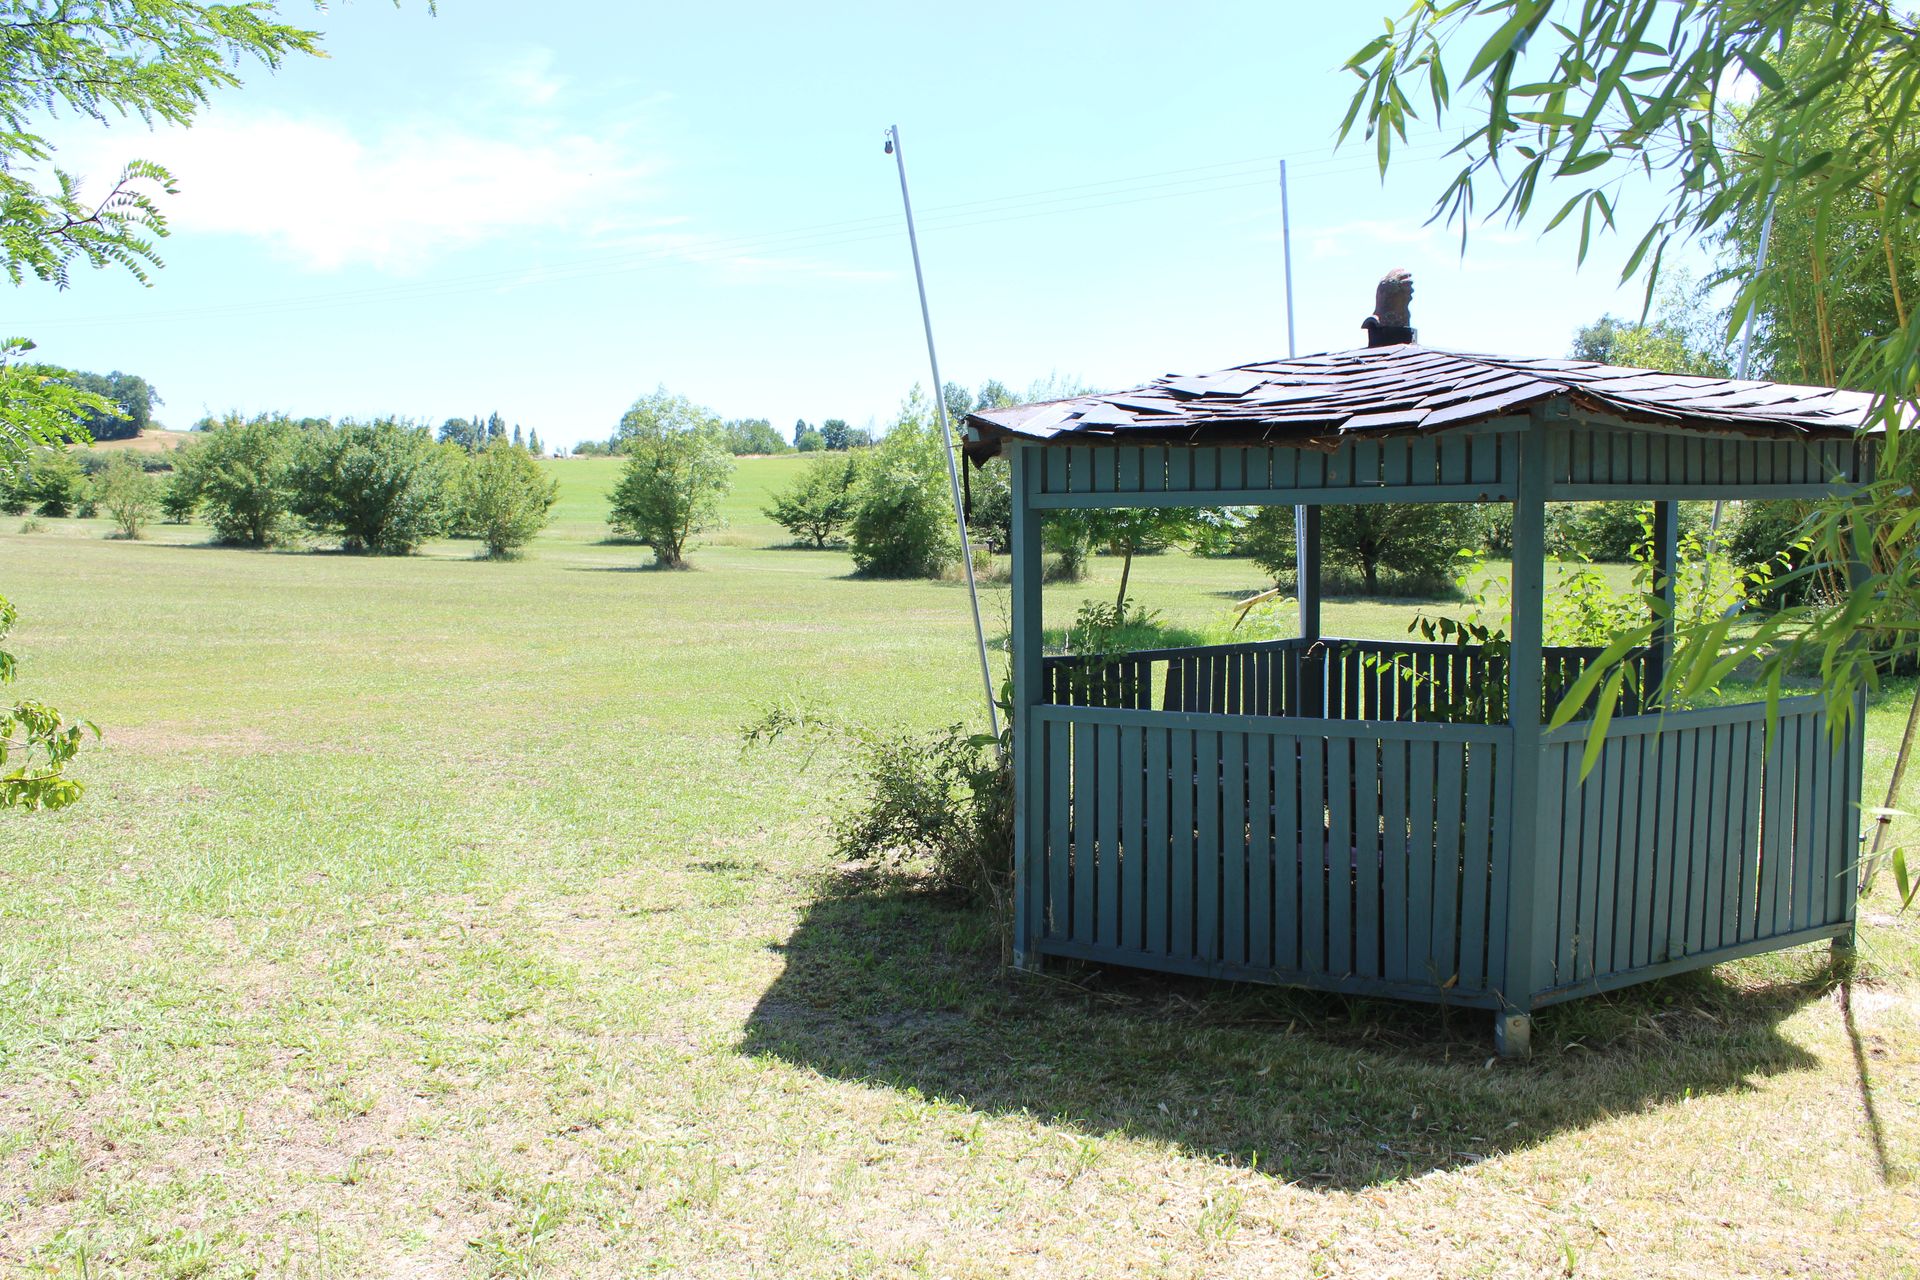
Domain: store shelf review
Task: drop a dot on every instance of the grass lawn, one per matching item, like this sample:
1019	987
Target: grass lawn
426	917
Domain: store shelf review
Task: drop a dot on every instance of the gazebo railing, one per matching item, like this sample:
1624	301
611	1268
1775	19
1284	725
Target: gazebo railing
1330	679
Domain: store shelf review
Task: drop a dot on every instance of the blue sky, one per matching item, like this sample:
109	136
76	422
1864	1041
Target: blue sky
549	211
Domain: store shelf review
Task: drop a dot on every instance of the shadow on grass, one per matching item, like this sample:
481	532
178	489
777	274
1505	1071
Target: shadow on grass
886	985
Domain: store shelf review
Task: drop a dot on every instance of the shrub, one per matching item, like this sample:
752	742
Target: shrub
1268	541
243	476
1417	545
180	492
990	520
505	497
940	803
382	486
1496	524
127	493
677	471
902	524
1765	534
1068	537
50	480
1609	532
820	501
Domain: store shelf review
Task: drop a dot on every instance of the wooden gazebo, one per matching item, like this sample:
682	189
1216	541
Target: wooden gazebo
1395	818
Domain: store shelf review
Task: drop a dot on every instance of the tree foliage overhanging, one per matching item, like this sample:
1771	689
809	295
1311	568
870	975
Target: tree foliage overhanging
1586	98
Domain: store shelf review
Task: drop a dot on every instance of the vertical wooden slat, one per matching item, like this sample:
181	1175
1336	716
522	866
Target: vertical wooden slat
1233	847
1086	810
1742	835
1059	793
1157	892
1504	837
1056	472
1561	776
1260	850
1714	842
1593	831
1450	796
1687	840
1805	752
1484	826
1776	827
1650	853
1340	855
1133	824
1206	469
1181	857
1615	924
1206	845
1128	463
1179	467
1367	844
1422	763
1314	853
1288	853
1393	854
1838	831
1106	888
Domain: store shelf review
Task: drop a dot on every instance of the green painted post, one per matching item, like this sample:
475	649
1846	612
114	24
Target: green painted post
1306	569
1029	766
1532	842
1666	559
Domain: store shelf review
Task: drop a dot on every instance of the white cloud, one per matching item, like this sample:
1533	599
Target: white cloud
395	197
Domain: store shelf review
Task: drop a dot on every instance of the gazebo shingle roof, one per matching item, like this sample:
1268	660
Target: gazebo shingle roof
1413	388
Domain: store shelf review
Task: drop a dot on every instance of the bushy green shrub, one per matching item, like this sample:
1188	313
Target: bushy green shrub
48	480
1609	532
383	487
677	470
939	803
505	497
127	494
990	521
819	502
1496	525
242	475
902	524
1766	533
1268	541
180	492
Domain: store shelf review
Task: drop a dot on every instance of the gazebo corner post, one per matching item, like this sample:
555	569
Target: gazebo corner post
1529	841
1310	692
1029	762
1666	564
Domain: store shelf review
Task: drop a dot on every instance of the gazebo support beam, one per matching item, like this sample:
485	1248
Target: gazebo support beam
1513	1024
1306	569
1028	659
1666	560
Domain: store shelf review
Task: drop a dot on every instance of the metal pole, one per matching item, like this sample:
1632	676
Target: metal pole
946	434
1286	253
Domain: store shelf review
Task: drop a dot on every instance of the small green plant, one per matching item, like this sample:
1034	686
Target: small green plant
36	742
940	803
818	504
127	493
505	498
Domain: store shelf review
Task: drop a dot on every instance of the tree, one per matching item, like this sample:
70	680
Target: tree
54	484
835	434
533	442
677	470
1688	337
1411	547
809	440
506	498
129	402
180	494
1827	144
127	494
902	525
244	477
819	501
1128	530
753	435
382	486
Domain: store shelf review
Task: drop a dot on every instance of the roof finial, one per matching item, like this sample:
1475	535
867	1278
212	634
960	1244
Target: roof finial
1391	323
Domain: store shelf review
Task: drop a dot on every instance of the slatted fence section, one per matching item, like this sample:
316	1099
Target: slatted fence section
1347	856
1697	836
1329	679
1606	456
1460	465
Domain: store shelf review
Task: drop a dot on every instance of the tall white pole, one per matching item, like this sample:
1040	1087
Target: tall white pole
1286	254
946	434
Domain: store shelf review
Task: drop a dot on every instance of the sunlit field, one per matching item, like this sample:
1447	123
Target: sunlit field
429	917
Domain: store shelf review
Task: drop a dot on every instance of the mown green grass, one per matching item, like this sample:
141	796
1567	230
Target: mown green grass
428	917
